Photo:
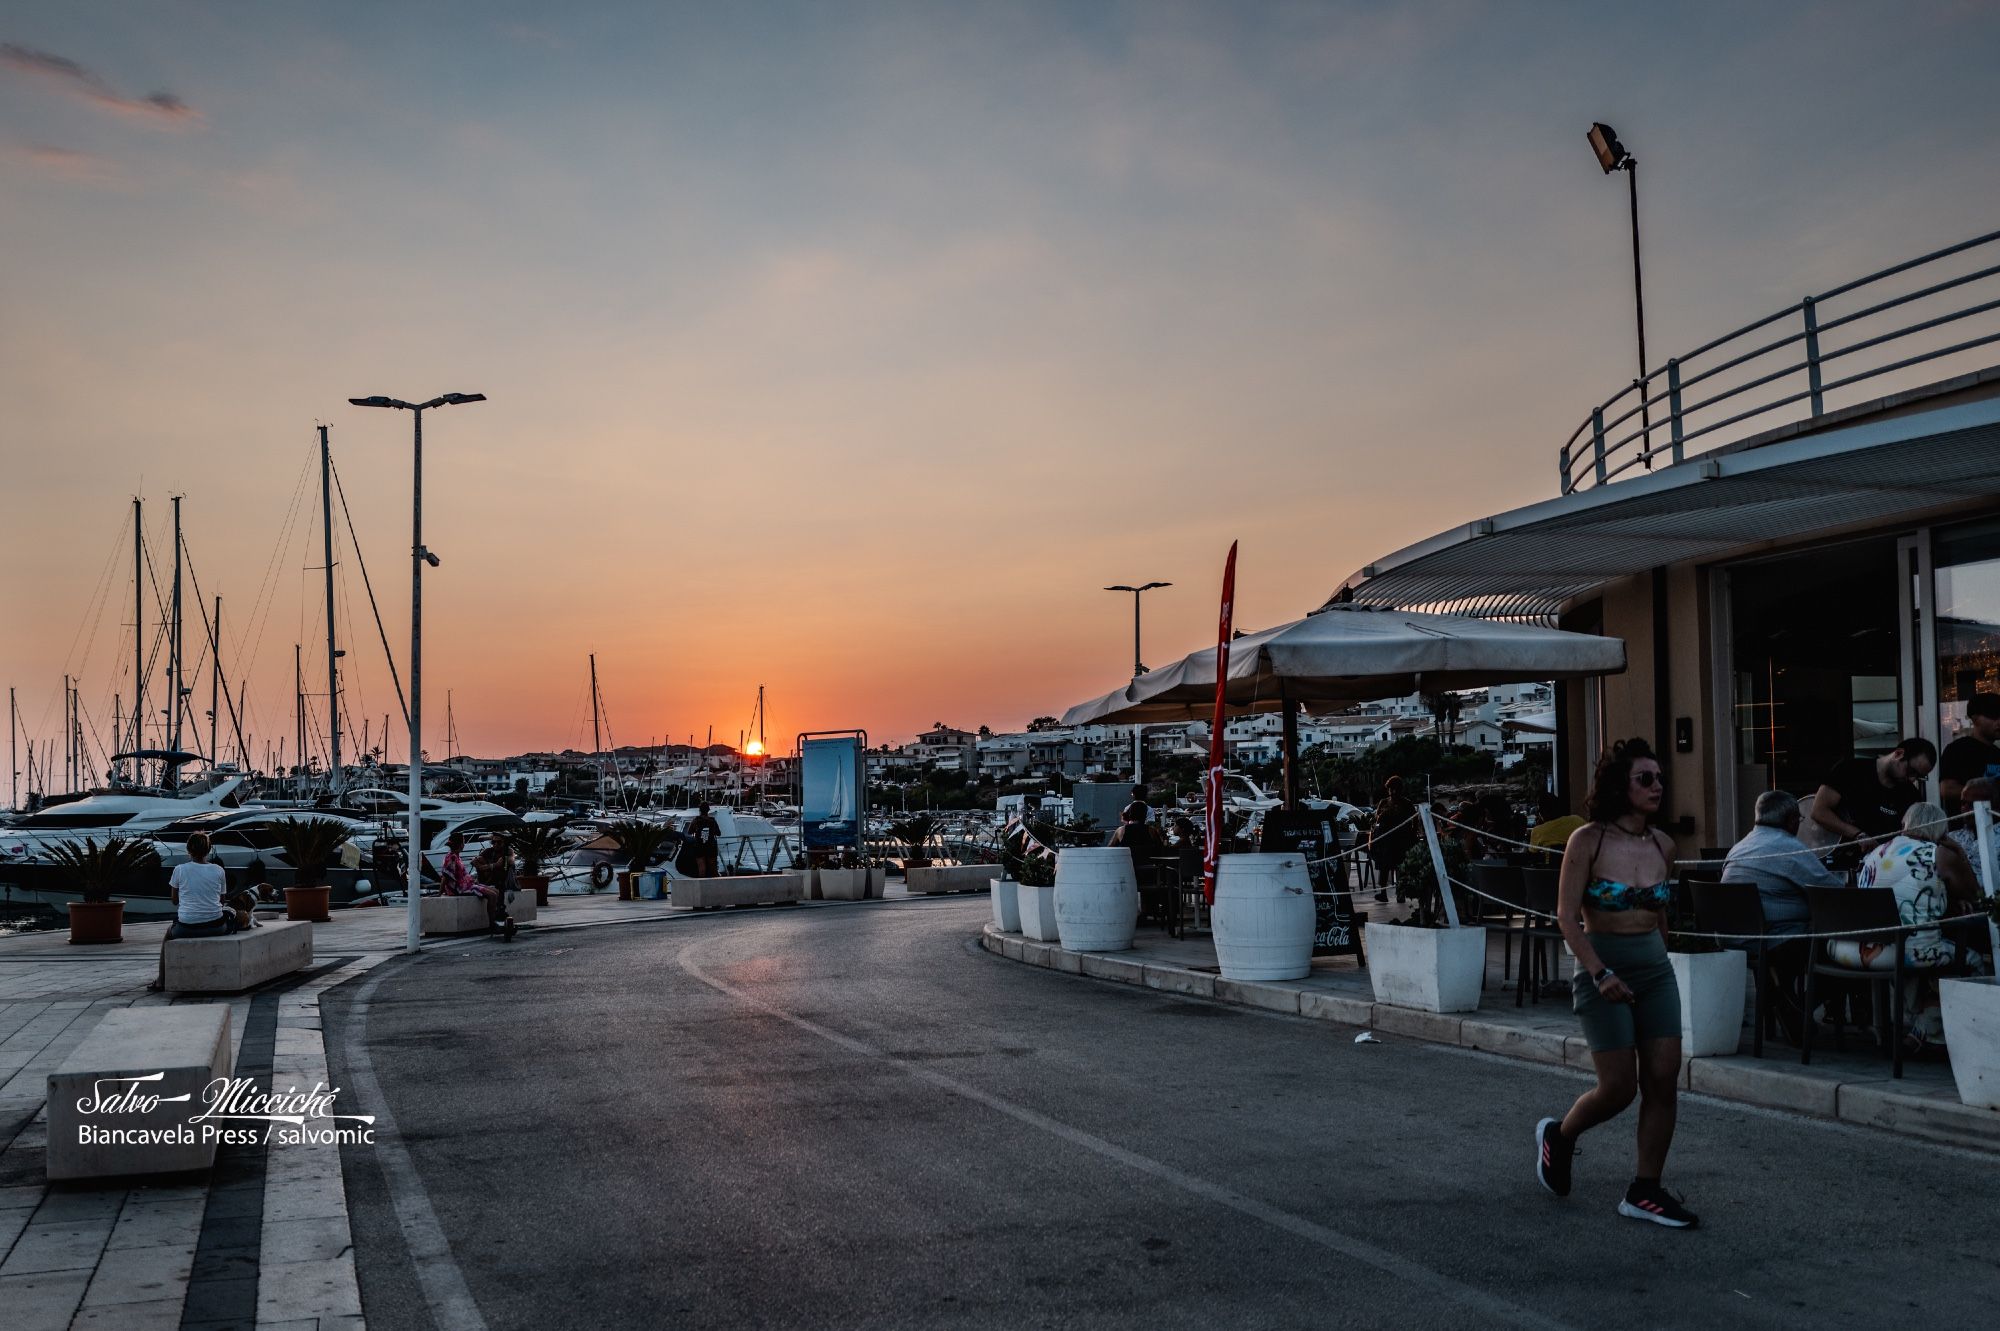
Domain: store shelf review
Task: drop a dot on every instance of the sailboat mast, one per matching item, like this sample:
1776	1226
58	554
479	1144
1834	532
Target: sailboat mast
596	729
299	706
13	754
138	628
69	741
215	684
332	653
175	665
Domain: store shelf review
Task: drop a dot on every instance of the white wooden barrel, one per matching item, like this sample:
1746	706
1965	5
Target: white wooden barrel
1097	898
1263	917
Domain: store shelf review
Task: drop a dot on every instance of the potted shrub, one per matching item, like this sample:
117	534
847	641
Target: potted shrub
842	876
1971	1011
1422	962
536	844
98	871
1035	898
1714	987
641	843
915	833
310	844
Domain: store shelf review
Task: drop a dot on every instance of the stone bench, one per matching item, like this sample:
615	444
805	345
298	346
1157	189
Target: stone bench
521	905
934	880
97	1092
455	915
745	890
238	961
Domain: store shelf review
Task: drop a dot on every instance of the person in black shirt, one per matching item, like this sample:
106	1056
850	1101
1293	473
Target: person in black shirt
1865	797
1971	755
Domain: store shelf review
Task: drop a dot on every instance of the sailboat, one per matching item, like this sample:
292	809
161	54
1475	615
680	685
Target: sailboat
840	809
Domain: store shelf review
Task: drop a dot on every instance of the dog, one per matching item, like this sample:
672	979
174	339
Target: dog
243	903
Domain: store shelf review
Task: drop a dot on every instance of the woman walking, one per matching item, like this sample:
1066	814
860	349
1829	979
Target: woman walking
1613	902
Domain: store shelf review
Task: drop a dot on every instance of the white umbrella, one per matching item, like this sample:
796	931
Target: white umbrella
1352	653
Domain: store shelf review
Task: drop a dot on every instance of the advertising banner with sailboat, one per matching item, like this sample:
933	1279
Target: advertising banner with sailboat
831	806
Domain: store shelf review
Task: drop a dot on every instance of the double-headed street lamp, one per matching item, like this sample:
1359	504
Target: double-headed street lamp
1138	660
419	556
1613	156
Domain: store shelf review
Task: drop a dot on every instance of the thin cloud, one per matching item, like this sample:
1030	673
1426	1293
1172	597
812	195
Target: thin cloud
161	108
68	164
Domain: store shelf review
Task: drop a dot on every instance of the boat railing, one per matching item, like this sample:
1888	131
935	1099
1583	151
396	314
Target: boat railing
1814	356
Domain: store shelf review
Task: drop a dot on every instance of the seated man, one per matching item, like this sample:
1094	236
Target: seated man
1136	834
1779	865
456	880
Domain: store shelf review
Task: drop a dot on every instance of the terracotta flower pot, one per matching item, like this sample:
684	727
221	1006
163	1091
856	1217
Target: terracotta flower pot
540	883
307	903
97	921
625	885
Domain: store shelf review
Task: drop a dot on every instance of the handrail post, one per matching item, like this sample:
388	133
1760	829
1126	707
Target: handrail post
1812	355
1674	401
1562	467
1597	440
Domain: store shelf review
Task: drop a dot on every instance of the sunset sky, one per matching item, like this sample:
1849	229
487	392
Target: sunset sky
850	349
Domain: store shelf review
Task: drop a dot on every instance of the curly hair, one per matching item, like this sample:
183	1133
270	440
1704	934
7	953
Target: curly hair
1611	788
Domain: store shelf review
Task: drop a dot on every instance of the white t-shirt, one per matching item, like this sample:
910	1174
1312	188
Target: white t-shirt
200	887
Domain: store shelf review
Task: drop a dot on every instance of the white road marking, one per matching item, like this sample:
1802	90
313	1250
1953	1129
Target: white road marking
451	1303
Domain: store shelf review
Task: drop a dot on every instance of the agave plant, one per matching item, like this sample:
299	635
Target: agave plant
640	840
310	844
536	844
99	870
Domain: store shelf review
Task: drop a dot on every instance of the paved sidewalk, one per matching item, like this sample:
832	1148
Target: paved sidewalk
262	1241
1855	1087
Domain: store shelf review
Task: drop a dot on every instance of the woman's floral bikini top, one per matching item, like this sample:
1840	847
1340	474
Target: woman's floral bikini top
1610	894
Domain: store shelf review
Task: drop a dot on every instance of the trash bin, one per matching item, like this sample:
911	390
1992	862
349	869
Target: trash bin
652	886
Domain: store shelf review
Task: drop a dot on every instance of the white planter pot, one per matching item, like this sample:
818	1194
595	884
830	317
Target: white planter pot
1972	1034
842	884
1097	898
810	880
1007	906
1435	970
1038	913
1713	986
1263	917
878	881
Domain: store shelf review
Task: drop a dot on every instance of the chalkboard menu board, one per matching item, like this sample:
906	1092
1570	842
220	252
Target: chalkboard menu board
1311	833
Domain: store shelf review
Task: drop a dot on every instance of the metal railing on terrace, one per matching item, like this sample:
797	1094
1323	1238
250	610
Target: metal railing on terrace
1742	383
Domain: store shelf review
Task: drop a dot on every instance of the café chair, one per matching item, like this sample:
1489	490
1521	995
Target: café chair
1539	935
1849	910
1735	908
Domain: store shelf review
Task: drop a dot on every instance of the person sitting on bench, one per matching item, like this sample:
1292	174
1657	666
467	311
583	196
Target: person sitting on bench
197	888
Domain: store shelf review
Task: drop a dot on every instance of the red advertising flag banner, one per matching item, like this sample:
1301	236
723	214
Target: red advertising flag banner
1215	747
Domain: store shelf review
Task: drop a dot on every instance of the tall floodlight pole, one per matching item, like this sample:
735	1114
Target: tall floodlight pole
1613	156
418	558
1138	659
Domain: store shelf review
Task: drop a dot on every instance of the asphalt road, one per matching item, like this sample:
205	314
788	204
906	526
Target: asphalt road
851	1117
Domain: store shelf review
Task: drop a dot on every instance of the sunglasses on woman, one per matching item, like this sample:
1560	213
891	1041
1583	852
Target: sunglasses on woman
1649	779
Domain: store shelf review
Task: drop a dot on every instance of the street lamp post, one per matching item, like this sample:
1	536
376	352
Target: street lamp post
1614	156
419	556
1138	660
